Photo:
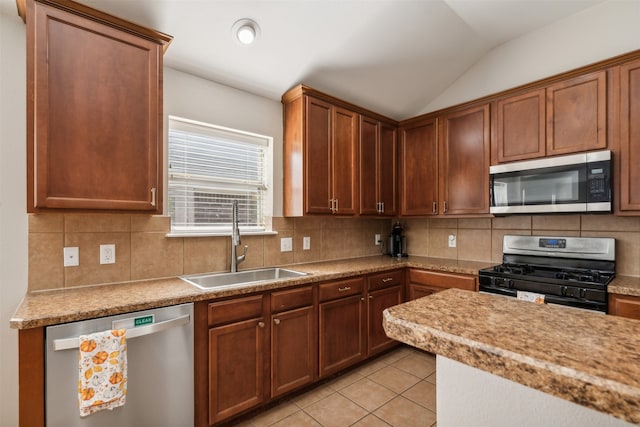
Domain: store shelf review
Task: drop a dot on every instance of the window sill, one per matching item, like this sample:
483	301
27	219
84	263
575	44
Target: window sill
219	233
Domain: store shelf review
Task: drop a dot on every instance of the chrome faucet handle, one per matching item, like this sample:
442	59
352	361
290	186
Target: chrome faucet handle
242	257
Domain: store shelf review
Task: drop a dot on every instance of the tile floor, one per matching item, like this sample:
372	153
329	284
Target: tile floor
396	389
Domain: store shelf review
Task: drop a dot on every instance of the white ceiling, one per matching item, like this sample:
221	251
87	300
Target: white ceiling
390	56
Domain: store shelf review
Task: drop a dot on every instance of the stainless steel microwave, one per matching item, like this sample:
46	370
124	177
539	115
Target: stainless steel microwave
573	183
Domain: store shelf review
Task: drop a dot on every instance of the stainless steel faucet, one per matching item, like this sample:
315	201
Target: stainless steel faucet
235	238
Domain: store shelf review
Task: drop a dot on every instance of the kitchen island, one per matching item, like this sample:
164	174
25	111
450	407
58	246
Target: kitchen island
502	362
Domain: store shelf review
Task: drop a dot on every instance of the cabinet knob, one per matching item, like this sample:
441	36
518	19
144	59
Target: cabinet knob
276	321
261	324
370	296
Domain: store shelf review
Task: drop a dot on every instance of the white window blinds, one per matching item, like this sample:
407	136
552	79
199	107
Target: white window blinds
209	167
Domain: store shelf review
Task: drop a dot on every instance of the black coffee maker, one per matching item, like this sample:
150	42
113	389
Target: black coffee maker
397	241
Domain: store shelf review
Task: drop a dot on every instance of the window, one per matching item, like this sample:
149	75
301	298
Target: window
209	167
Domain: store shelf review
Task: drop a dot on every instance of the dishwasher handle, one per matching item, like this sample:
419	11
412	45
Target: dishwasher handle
69	343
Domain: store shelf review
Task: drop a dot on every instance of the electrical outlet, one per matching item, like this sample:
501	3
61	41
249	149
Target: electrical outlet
108	254
306	243
378	242
452	240
71	256
286	244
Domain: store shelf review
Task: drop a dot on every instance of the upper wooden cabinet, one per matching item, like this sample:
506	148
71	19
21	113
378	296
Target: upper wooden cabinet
445	164
577	114
464	161
320	156
627	152
378	170
520	127
419	169
94	110
566	117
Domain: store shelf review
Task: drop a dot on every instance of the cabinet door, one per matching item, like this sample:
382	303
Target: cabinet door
318	156
388	169
293	350
629	155
419	170
341	334
94	139
520	131
416	291
625	306
378	301
369	139
344	164
577	114
464	161
236	364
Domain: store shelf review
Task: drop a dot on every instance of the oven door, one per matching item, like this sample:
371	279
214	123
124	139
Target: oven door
593	300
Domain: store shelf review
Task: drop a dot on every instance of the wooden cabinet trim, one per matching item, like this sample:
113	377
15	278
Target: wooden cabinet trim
628	149
31	391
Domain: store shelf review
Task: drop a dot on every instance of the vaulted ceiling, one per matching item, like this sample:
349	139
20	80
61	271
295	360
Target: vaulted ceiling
391	56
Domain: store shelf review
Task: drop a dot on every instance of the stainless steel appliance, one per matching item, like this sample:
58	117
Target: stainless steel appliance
160	386
574	183
571	271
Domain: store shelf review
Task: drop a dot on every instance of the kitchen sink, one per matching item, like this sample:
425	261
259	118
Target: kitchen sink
240	278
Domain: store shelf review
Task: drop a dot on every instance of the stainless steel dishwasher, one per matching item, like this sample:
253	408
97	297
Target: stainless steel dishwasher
160	370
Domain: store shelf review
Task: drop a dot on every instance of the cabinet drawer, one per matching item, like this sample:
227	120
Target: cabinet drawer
292	298
343	288
443	280
384	280
235	310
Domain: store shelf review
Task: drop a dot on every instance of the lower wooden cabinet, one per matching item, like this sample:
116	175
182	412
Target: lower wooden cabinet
624	305
293	340
341	325
236	356
385	290
422	283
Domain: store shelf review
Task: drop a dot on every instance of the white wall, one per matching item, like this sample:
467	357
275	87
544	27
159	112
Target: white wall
600	32
198	99
13	217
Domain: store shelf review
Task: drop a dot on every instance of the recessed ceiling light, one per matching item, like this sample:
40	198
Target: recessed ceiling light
245	31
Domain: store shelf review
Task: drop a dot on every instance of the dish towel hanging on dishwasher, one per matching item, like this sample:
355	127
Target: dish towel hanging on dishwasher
102	383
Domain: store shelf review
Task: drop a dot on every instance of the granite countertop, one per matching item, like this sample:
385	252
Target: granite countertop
68	305
583	357
625	285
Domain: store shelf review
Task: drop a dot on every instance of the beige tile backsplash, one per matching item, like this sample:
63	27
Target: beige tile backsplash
143	251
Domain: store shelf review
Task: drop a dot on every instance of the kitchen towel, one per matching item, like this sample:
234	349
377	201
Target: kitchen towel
102	382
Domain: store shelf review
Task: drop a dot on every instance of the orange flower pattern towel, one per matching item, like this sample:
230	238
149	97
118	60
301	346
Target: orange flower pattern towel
103	371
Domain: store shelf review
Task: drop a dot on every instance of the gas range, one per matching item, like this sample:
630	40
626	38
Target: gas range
570	271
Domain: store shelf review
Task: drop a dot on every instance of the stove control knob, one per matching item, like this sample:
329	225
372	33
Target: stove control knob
510	284
583	293
563	291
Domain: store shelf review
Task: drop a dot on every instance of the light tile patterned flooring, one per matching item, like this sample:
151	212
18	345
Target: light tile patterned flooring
396	389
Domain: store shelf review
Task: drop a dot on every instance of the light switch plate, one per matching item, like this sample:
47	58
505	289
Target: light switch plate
452	240
71	256
286	244
306	243
377	240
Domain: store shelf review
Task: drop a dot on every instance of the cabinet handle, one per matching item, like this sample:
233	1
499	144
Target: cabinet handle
435	207
153	196
261	324
370	296
445	207
331	205
346	288
387	279
336	205
276	321
381	207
